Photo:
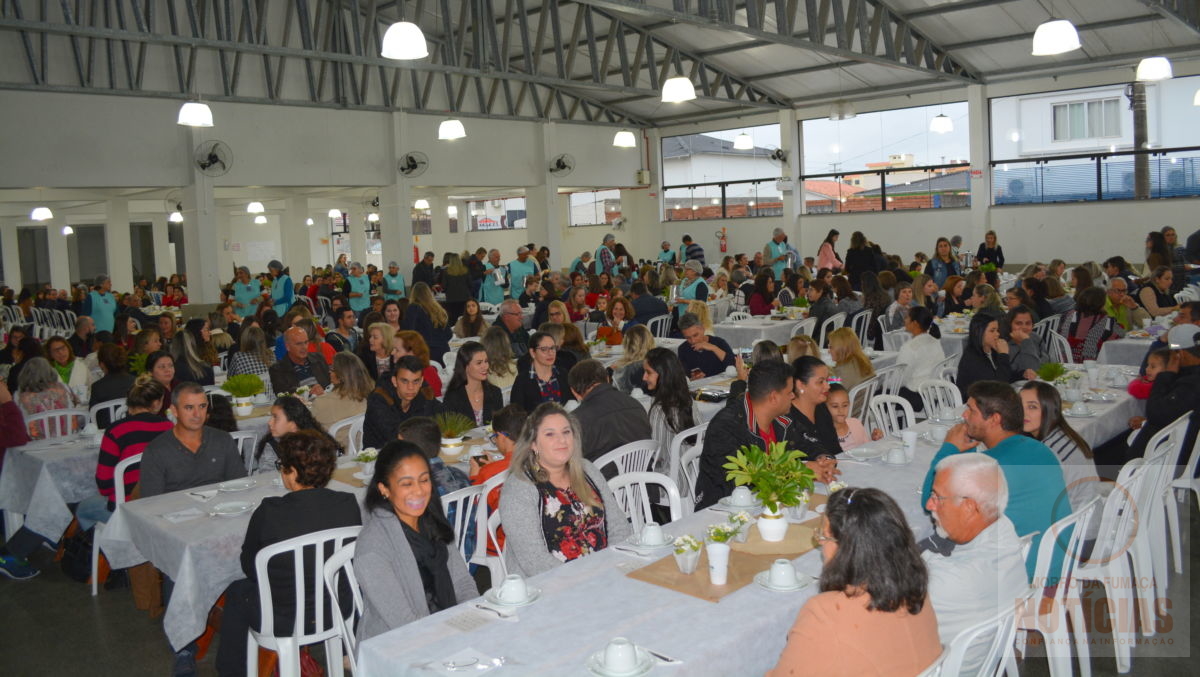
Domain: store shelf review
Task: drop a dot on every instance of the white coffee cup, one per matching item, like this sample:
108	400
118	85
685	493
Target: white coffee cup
513	589
946	414
620	655
782	574
1072	394
652	534
731	370
896	455
910	438
938	433
1147	322
741	496
1081	408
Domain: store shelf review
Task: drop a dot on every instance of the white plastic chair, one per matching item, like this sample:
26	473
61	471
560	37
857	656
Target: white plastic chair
891	414
689	464
659	326
114	408
323	544
806	327
998	631
860	398
1057	348
935	668
889	379
487	522
737	315
634	498
1177	489
1150	542
247	441
947	369
339	567
937	394
118	500
860	322
459	507
355	435
636	456
485	307
676	453
833	322
59	423
894	340
1047	326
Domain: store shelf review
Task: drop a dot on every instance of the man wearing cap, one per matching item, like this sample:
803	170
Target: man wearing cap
247	292
667	255
606	260
522	267
580	264
776	253
282	294
1176	391
494	284
690	251
1189	313
100	304
360	288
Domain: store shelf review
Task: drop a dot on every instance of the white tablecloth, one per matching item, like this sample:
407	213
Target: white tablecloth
954	334
41	478
1128	351
743	333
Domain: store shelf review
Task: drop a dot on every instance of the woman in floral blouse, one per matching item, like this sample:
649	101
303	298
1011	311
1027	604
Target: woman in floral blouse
40	390
557	506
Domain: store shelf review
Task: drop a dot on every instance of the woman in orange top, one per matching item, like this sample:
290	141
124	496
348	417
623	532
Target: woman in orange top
506	424
872	616
619	319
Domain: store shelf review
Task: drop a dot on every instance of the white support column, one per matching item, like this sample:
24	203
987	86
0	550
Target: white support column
224	260
117	244
164	264
12	257
440	226
791	138
202	236
981	157
358	233
60	264
295	235
395	228
547	230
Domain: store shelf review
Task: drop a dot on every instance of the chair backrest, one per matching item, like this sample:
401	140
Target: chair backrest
633	496
690	466
894	340
937	394
991	640
835	321
340	567
1118	514
123	466
889	379
487	521
448	358
247	441
1055	536
947	369
806	327
692	437
459	507
322	544
354	437
891	414
1046	326
935	668
485	307
860	322
737	315
1057	348
860	397
660	326
1162	454
58	422
113	410
636	456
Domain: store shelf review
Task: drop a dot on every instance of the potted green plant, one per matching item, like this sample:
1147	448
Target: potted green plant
778	476
243	388
453	426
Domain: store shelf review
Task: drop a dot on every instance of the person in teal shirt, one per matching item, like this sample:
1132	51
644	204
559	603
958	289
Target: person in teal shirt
393	283
360	289
521	267
776	253
492	289
1037	492
247	292
101	306
606	260
667	255
692	287
580	264
282	293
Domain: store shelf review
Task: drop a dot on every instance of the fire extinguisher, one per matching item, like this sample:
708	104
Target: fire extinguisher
723	241
416	251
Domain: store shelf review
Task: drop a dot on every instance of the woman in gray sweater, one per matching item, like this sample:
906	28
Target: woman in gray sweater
556	506
405	559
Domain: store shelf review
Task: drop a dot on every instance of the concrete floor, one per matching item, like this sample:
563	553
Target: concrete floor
53	626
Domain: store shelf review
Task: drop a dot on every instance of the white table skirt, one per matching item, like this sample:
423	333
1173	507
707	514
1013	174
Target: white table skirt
41	478
743	333
1128	351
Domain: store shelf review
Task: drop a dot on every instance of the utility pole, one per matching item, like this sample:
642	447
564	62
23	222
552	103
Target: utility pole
1136	93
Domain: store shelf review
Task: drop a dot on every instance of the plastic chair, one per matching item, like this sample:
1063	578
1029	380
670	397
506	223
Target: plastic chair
891	414
805	327
860	398
947	369
636	456
487	521
485	307
1150	542
659	326
737	315
689	465
118	500
322	544
633	496
676	451
115	409
58	423
860	322
889	379
937	394
894	340
354	437
998	631
340	566
459	507
1057	348
247	442
935	668
833	322
1178	489
1047	326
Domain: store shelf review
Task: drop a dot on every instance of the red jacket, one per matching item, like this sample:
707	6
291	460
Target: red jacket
13	432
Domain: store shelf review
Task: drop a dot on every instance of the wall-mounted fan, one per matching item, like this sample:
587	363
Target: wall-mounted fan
778	157
618	223
562	165
413	163
213	158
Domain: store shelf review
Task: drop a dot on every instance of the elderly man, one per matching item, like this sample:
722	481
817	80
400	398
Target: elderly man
360	288
606	260
512	321
608	418
83	341
702	355
984	573
522	267
581	264
100	305
994	418
298	367
393	283
398	398
494	283
776	253
1121	307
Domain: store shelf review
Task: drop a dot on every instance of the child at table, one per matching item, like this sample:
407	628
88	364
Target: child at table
850	431
1140	386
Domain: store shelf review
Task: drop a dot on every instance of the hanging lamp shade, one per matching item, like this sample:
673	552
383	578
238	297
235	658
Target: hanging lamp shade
308	221
404	41
452	211
842	110
373	217
624	139
41	214
335	213
67	230
1056	36
1196	98
255	207
743	142
450	130
421	204
1154	68
941	124
195	114
260	220
678	89
175	217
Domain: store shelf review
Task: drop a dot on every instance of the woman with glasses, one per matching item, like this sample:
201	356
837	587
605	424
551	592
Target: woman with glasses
288	415
872	615
469	392
540	379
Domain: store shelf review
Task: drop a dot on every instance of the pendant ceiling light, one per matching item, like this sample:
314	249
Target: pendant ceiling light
308	221
452	211
421	204
67	230
624	139
678	89
176	217
1196	98
260	220
450	130
41	214
404	41
842	110
195	114
335	213
1154	68
1056	36
373	217
941	124
255	207
743	142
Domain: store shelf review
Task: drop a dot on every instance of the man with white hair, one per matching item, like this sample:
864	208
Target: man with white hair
606	260
1121	307
985	572
776	252
360	288
521	267
667	255
580	264
493	286
393	282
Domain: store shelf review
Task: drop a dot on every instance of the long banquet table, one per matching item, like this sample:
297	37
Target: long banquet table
41	478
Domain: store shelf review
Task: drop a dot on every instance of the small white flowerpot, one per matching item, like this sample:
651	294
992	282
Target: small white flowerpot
742	534
772	526
718	562
243	406
452	447
687	561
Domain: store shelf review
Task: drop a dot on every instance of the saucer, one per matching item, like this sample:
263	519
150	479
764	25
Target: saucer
866	453
634	543
645	663
763	579
363	476
1072	414
237	485
728	504
231	509
532	596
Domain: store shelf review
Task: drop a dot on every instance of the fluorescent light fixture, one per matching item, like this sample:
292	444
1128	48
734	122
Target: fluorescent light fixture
195	114
743	142
260	220
335	213
1056	36
373	217
41	214
452	211
941	124
1154	68
715	201
450	130
67	230
624	139
678	89
404	41
176	217
308	221
421	204
255	207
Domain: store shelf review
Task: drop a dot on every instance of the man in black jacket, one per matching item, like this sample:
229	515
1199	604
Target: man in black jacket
298	366
398	398
423	271
608	417
646	306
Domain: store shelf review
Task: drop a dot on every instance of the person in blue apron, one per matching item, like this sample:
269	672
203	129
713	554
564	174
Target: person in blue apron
580	264
776	253
393	283
606	260
495	284
667	255
359	291
247	292
691	288
282	294
101	306
522	267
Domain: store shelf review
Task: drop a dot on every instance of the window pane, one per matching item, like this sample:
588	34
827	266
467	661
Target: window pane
1112	117
595	207
1095	119
888	138
710	157
1062	128
1077	121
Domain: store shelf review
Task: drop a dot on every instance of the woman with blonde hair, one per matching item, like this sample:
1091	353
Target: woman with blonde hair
557	313
667	277
627	370
456	283
412	343
557	506
347	397
375	350
700	310
573	343
985	299
426	317
254	357
801	345
147	341
851	365
502	364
